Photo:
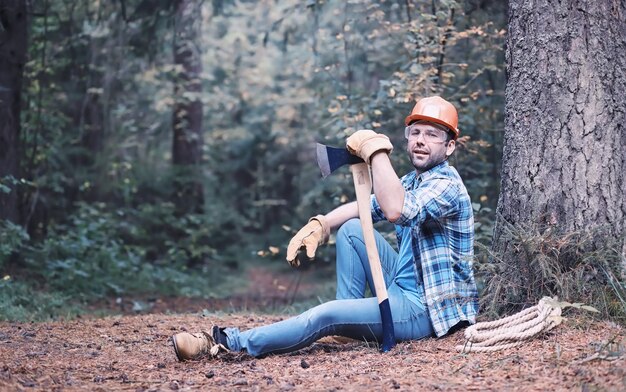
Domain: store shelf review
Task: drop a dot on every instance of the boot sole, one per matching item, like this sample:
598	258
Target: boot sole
173	339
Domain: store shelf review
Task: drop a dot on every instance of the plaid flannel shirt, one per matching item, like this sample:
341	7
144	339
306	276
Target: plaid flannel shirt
438	209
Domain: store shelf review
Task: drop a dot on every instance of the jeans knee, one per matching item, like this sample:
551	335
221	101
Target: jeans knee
318	317
351	228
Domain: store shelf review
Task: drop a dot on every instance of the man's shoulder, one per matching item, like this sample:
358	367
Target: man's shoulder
446	170
447	181
446	173
443	173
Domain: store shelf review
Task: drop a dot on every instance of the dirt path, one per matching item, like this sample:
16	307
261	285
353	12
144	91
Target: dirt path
265	289
134	353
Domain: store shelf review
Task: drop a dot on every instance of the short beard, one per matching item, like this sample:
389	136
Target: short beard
423	167
427	166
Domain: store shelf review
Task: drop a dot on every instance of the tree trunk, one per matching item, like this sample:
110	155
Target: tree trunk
13	40
564	163
187	117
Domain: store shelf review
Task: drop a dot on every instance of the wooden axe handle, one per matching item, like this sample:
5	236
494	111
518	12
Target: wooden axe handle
363	189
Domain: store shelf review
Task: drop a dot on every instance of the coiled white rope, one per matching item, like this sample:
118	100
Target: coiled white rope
513	330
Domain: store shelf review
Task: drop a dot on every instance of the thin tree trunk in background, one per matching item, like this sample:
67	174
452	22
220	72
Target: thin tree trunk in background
564	159
187	118
91	114
13	40
91	119
93	125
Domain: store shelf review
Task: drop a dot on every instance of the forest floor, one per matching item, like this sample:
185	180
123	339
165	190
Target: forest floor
133	352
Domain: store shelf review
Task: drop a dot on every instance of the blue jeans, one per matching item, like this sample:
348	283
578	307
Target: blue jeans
351	314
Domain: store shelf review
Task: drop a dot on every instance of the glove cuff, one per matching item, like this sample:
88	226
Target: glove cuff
321	219
374	144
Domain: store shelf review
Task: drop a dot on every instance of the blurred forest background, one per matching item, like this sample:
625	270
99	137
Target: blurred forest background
165	147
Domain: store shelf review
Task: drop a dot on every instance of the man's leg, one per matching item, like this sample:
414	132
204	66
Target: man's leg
353	269
351	315
354	318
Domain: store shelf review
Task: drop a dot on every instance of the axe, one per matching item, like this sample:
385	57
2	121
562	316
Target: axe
330	159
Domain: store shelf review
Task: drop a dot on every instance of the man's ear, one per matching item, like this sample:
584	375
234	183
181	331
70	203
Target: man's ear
450	148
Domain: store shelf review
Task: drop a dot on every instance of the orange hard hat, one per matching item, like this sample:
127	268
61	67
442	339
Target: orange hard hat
436	110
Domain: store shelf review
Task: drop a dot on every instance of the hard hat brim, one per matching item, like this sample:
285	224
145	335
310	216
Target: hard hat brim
415	117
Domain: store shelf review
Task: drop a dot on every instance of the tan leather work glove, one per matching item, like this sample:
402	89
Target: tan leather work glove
315	233
365	142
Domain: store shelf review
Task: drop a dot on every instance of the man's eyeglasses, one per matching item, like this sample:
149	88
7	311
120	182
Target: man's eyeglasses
430	135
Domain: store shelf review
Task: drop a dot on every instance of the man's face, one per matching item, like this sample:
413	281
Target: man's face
427	146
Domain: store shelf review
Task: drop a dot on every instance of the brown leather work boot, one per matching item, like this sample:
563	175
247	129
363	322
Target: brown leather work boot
191	346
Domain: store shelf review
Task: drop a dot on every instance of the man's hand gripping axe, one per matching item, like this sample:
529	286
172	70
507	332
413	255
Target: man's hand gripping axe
330	159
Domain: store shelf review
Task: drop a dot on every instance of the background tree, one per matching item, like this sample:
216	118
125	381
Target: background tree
562	208
13	45
187	114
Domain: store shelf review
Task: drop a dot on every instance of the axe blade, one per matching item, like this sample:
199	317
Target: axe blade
330	159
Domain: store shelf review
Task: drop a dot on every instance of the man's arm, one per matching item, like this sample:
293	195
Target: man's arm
387	186
318	229
342	214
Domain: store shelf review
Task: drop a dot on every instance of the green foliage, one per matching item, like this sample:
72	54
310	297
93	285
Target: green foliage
7	183
483	223
19	301
276	79
572	266
85	257
166	238
12	237
100	253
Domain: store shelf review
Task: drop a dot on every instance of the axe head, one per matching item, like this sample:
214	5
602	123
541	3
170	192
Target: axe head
330	159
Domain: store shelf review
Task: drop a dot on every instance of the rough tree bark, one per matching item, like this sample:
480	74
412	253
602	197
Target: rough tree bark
187	118
564	162
13	39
